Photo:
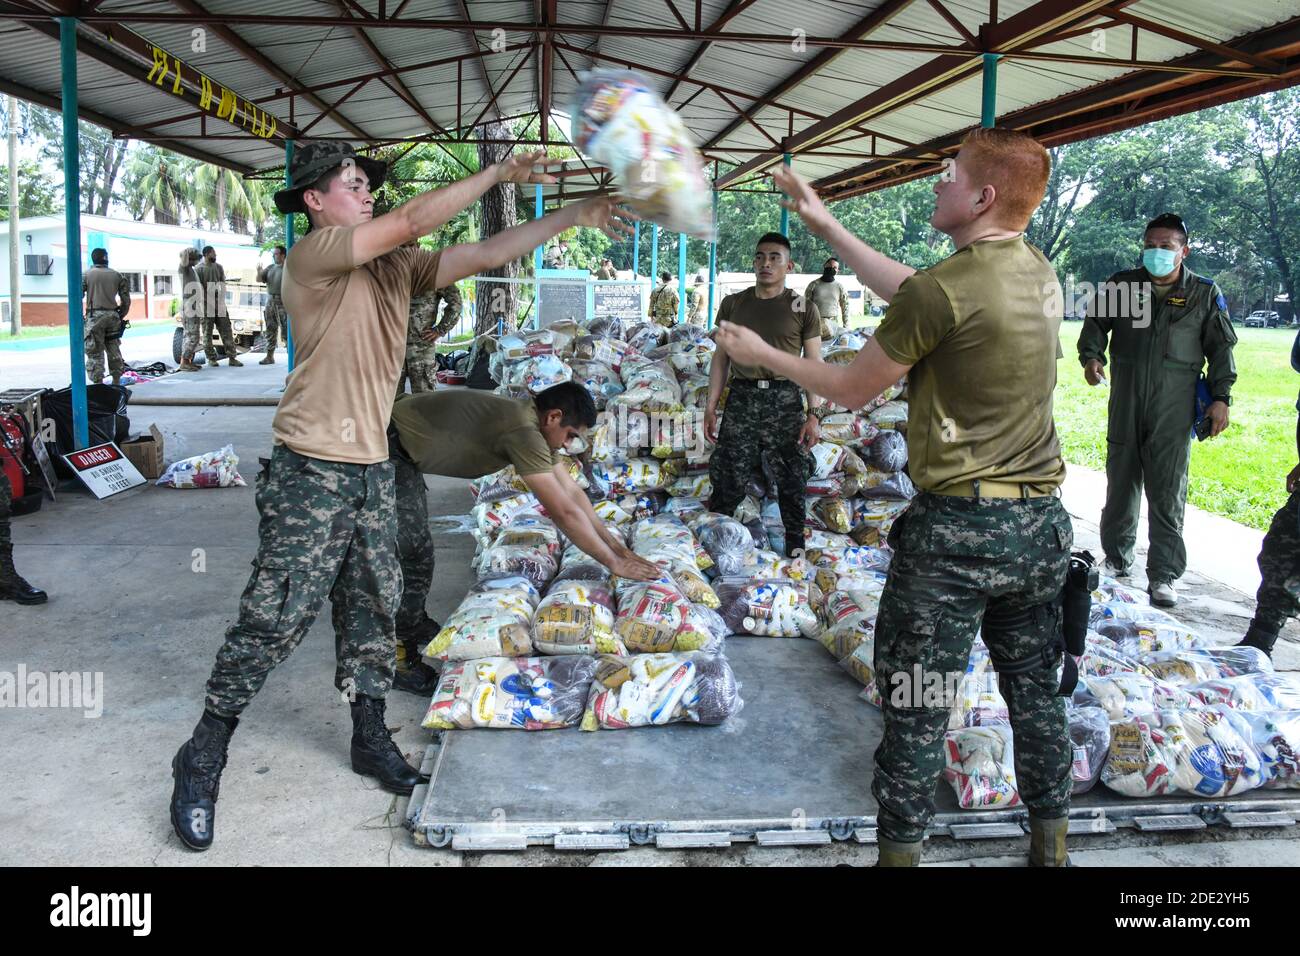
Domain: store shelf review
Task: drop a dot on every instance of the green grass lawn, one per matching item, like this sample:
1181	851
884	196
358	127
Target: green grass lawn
1242	473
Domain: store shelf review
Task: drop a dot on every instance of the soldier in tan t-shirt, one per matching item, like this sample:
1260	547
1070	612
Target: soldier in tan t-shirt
985	547
326	496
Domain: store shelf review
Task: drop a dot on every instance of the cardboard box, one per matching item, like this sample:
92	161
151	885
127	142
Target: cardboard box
146	453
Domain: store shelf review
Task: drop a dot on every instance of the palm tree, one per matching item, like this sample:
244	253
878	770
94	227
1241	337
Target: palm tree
159	182
224	198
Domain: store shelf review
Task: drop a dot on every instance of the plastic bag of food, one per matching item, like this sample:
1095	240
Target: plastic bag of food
622	123
771	564
601	380
1134	640
768	607
684	507
878	513
727	541
879	484
1255	692
540	373
665	540
887	452
677	435
634	476
491	516
890	415
846	427
1137	613
691	486
609	352
850	631
831	514
1207	664
494	620
692	360
977	699
1089	744
610	513
1194	752
695	391
576	617
816	540
521	693
498	486
1128	695
832	459
1109	590
647	690
530	562
216	469
979	763
645	337
1275	737
656	617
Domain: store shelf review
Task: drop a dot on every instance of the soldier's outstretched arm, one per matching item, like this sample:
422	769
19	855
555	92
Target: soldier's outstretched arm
427	211
470	258
874	269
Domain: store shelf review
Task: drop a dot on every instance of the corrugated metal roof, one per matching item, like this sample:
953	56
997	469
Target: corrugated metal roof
312	54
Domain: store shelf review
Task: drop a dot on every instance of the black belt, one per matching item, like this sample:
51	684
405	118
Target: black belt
395	447
763	383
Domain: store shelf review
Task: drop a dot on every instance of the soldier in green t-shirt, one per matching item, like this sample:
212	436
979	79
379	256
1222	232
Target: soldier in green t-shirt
468	434
985	546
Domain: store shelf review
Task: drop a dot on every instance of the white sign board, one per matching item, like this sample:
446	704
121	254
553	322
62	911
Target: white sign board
104	469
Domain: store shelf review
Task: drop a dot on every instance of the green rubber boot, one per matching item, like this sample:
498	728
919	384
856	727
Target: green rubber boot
896	853
1047	842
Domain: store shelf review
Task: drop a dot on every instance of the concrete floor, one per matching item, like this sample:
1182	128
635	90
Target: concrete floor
142	587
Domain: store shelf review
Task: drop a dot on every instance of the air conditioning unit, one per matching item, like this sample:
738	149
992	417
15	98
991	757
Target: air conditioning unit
37	265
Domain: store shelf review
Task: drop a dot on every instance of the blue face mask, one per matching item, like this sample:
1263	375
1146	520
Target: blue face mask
1159	262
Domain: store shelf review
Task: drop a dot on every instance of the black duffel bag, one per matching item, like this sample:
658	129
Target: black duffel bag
106	408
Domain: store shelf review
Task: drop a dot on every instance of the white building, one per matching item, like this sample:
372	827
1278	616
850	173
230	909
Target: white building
146	253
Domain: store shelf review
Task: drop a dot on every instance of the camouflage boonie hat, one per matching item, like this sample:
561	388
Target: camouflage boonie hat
313	161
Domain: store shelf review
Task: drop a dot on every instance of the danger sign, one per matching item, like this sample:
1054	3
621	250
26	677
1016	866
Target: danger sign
104	469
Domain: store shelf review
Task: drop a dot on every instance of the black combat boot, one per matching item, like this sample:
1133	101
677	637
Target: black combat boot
417	677
12	585
197	770
373	752
1259	637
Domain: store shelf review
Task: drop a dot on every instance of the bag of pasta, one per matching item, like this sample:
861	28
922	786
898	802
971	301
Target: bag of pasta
576	617
656	617
494	620
850	631
521	693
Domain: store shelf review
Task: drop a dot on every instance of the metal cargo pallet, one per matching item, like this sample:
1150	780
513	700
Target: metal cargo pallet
793	768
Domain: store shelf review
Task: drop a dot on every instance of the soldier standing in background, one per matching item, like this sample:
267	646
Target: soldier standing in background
663	302
765	411
422	334
191	309
108	299
275	316
695	305
212	277
829	296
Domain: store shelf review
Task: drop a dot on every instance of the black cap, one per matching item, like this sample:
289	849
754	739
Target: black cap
1168	220
314	160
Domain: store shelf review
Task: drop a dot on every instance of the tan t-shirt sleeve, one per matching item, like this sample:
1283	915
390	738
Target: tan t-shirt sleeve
527	450
330	257
918	318
424	270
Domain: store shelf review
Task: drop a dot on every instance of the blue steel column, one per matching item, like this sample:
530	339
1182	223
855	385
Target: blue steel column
713	261
72	220
681	277
538	208
636	249
785	213
989	110
288	244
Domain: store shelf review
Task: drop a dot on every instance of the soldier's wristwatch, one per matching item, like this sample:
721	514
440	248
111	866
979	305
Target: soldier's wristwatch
1226	399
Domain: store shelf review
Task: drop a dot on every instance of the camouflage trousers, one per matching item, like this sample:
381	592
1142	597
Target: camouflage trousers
421	369
191	324
103	335
275	319
414	548
758	420
327	528
1278	598
960	563
221	324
